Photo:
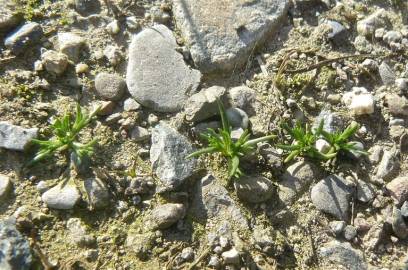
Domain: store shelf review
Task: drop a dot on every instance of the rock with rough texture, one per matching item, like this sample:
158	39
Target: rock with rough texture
388	164
168	155
87	7
367	26
71	44
23	37
54	62
231	256
344	254
386	73
253	188
139	134
165	215
359	101
5	187
337	33
203	105
237	118
398	189
296	180
14	248
141	244
332	122
397	105
222	34
110	86
131	105
98	194
78	234
15	137
332	195
243	97
399	226
404	209
157	76
365	191
350	232
8	19
375	236
63	196
337	227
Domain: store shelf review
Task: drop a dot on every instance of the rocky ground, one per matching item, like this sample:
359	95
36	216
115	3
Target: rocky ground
156	68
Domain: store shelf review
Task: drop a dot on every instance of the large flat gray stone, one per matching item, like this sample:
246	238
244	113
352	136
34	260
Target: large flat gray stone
157	76
222	33
14	137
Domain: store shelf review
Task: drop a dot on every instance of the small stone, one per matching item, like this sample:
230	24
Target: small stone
376	153
338	33
398	189
14	248
113	54
98	193
242	97
332	195
165	215
71	44
350	232
78	234
168	156
113	27
110	86
402	84
237	118
404	209
141	244
5	187
399	226
63	196
367	26
203	105
105	107
337	227
375	236
296	180
231	257
388	165
187	254
15	137
379	33
132	23
163	81
392	36
214	262
332	122
139	134
81	68
224	242
397	105
54	62
370	64
362	45
344	254
131	105
87	7
386	73
23	37
359	101
322	146
253	189
365	191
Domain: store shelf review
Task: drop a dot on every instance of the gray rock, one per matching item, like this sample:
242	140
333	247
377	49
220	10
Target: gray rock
87	7
71	44
332	195
263	238
231	257
296	180
8	18
15	137
157	76
387	165
141	244
23	37
168	156
332	122
14	248
131	105
139	134
375	236
5	187
165	215
272	156
203	105
386	73
392	36
226	40
113	54
350	232
362	44
110	86
365	191
344	254
54	62
337	33
398	189
187	254
140	185
355	154
404	209
78	233
402	84
337	227
367	26
237	118
399	226
397	105
214	262
63	196
98	194
243	97
253	188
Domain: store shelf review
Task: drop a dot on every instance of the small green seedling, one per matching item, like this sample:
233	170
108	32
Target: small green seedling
223	143
65	138
303	142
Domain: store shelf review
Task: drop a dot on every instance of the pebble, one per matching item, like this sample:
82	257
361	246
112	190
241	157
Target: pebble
388	165
63	196
399	226
165	215
231	257
131	105
332	195
350	232
139	134
367	26
253	188
337	227
71	44
54	62
370	64
359	101
78	234
404	209
398	189
402	84
204	105
237	118
214	262
14	248
242	97
362	45
5	187
392	36
397	105
113	27
338	33
14	137
386	73
187	254
344	254
26	35
365	191
81	68
98	193
113	54
110	86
